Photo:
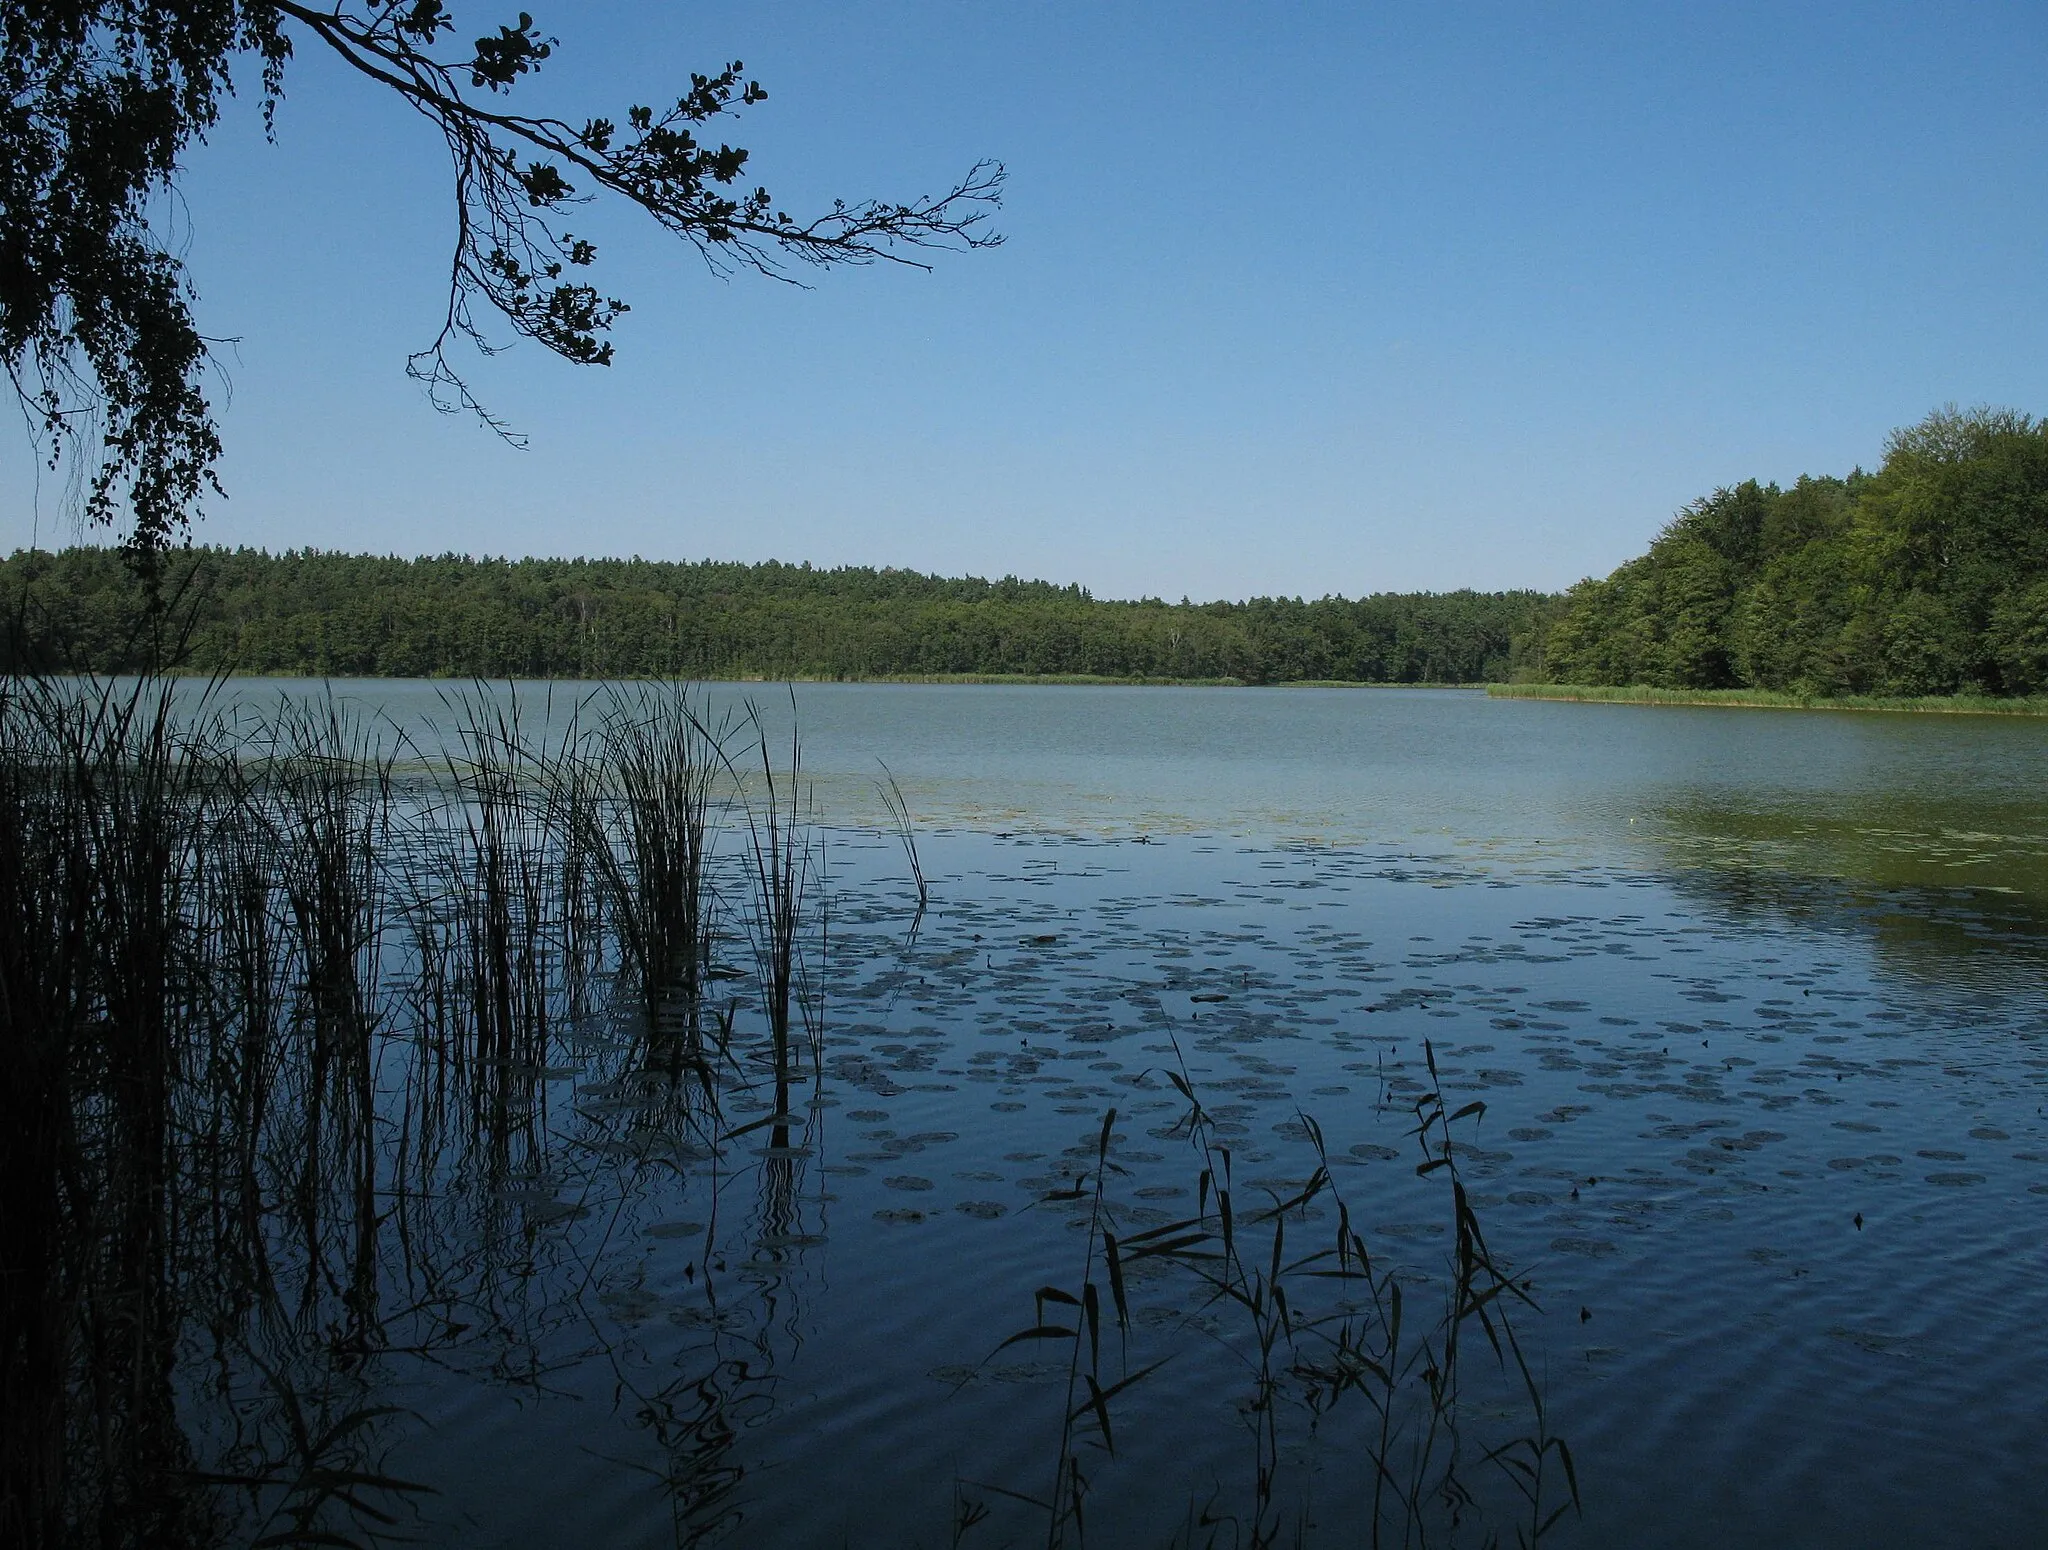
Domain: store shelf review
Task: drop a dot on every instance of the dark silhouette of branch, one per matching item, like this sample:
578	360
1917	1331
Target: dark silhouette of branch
103	97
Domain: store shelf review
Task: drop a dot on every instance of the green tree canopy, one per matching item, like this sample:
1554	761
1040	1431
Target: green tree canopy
1929	576
360	615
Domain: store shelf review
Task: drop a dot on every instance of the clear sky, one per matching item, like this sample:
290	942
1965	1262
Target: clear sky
1296	299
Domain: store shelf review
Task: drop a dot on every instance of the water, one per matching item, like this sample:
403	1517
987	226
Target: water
1754	1002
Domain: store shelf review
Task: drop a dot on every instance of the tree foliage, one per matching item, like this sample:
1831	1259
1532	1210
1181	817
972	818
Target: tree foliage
347	615
1929	576
103	100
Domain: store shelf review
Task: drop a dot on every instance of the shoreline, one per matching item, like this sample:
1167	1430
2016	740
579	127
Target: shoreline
1074	680
1772	699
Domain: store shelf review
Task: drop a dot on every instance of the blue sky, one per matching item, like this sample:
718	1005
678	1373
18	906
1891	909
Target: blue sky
1296	299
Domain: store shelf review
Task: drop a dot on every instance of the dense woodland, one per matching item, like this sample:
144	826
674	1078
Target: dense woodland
307	612
1929	576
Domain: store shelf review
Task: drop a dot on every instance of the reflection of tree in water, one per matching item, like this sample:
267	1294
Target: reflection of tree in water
1938	895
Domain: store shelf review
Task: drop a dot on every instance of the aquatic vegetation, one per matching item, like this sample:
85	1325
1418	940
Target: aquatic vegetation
1314	1325
1349	1179
904	827
286	996
222	935
641	802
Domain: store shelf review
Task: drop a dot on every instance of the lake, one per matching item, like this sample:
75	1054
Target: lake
1753	1001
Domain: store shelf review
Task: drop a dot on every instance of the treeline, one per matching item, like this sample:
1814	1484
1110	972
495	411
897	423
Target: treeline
1929	576
340	615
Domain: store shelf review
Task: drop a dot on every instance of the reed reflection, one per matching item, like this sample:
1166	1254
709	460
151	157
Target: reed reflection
292	1038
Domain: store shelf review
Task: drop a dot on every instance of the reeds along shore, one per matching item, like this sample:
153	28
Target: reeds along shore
219	936
284	998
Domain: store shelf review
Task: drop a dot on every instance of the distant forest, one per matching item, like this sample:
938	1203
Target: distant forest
1929	576
340	615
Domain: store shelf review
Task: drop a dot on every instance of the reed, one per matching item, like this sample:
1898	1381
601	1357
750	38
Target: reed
489	836
1302	1348
192	914
45	879
905	830
658	761
106	803
783	867
280	1000
198	921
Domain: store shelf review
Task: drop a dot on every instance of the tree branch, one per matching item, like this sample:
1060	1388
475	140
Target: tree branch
99	100
508	252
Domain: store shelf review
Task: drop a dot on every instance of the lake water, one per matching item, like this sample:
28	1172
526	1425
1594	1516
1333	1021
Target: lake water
1754	1001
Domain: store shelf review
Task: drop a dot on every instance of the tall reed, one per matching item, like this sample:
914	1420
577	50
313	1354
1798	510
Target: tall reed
650	838
105	802
784	868
490	836
905	830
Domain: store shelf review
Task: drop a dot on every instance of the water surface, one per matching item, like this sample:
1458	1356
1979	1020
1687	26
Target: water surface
1754	1001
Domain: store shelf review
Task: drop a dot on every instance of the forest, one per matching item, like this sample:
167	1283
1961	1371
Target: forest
1927	577
308	612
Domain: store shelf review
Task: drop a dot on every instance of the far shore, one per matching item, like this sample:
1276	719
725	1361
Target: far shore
1772	699
1097	680
1595	694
